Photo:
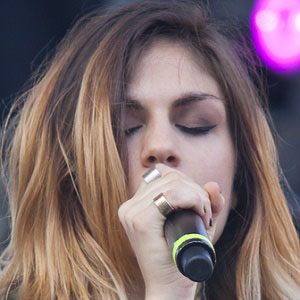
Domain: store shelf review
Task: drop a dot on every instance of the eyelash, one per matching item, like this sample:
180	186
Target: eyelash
189	130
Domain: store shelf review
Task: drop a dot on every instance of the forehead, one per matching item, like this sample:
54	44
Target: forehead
167	69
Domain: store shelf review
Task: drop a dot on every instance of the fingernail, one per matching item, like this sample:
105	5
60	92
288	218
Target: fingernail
210	222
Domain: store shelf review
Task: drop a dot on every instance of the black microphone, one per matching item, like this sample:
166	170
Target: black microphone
192	251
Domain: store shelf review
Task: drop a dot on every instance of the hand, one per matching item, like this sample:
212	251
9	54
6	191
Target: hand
144	224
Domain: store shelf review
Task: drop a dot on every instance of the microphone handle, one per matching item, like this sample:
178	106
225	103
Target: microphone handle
192	251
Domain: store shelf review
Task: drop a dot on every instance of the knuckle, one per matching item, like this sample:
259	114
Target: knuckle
192	198
138	224
195	199
173	198
173	175
123	212
170	194
161	168
128	221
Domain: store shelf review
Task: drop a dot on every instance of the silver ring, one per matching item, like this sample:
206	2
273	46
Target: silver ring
163	205
151	175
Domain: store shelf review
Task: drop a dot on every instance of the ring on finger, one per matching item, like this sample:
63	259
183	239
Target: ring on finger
163	205
151	175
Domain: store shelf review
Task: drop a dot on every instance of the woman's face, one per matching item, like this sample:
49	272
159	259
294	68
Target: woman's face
169	93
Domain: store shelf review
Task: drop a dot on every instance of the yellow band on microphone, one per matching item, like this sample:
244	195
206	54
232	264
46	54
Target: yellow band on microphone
187	237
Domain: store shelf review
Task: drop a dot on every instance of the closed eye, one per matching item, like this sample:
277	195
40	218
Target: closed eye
189	130
132	130
196	130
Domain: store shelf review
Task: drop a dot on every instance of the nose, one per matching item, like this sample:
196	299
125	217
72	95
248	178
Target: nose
160	145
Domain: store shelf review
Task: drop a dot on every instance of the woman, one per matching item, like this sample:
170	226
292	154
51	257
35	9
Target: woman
150	87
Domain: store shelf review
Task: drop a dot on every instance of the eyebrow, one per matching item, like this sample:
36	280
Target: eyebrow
183	100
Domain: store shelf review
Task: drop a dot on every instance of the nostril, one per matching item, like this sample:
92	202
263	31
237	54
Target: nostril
171	159
151	159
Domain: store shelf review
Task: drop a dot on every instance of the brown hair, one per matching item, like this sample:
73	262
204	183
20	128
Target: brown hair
65	164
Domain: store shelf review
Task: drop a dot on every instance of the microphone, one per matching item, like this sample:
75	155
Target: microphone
192	251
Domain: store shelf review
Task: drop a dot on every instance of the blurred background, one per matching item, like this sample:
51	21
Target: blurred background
30	30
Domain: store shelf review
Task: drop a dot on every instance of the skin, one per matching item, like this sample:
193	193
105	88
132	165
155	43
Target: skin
197	170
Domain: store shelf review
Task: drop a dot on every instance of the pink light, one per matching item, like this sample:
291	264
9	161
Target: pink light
266	20
275	27
297	22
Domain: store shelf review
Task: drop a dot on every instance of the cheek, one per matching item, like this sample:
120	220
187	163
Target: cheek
214	162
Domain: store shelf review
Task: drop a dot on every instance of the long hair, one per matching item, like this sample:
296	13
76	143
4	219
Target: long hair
64	160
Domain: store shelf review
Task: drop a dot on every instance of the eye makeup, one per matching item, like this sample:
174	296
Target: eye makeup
194	118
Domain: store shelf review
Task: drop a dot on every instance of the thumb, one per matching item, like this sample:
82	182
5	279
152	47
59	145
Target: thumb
216	198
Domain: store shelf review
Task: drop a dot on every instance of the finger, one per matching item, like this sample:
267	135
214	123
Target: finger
163	170
168	175
208	214
151	175
216	198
